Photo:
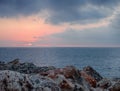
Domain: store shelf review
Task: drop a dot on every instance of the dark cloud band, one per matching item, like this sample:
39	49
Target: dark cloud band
63	10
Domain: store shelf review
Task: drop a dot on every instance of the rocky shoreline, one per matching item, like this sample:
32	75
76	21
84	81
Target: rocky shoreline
17	76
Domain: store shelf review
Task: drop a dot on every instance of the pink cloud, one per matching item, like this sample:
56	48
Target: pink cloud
30	29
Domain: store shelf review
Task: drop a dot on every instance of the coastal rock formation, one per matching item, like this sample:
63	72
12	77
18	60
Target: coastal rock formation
104	83
15	81
91	76
111	85
90	71
16	76
27	68
68	78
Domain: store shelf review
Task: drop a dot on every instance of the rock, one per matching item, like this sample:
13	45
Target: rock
15	61
68	79
109	84
98	89
90	71
16	76
15	81
27	68
2	65
1	62
115	86
63	82
104	83
91	76
68	72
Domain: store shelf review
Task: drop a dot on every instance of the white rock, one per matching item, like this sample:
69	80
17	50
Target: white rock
15	81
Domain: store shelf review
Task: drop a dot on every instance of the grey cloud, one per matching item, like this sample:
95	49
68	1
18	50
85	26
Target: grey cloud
86	36
79	16
19	7
101	36
104	2
70	12
114	27
63	10
115	23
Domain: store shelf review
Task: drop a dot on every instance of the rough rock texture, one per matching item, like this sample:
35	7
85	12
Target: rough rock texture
115	87
28	77
90	71
109	84
104	83
15	81
91	76
26	68
68	79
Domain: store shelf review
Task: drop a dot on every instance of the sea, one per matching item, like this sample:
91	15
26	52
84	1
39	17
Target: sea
105	60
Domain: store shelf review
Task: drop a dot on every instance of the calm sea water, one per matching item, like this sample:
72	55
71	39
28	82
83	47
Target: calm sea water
105	60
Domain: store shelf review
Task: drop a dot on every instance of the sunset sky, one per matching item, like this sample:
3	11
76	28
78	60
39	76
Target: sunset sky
59	23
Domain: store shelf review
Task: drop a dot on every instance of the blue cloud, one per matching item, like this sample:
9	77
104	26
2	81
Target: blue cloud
86	36
63	10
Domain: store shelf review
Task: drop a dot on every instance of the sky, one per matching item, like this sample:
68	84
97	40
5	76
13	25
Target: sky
59	23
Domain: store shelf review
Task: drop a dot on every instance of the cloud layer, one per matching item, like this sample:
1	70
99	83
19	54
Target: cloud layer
60	22
61	10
